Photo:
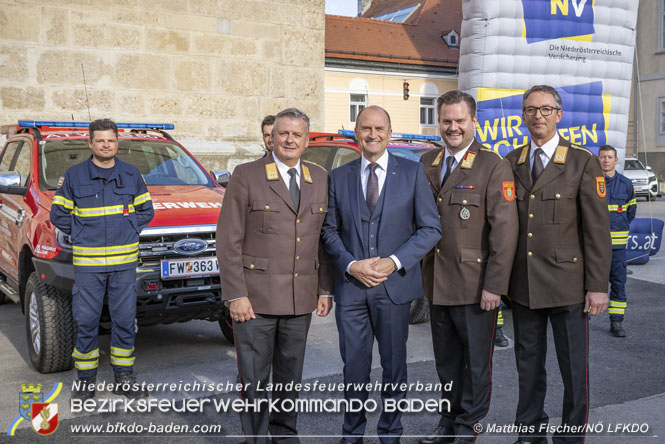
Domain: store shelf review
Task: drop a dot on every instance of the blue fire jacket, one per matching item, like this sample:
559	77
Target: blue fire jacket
622	206
103	217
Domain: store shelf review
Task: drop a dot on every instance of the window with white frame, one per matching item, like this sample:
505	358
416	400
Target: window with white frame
427	111
661	116
357	103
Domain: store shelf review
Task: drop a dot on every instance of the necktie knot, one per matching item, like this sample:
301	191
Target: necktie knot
373	166
292	172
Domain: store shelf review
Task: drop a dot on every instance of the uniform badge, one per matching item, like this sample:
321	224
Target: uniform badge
467	163
560	154
508	190
600	186
523	155
464	213
61	181
271	172
437	161
305	174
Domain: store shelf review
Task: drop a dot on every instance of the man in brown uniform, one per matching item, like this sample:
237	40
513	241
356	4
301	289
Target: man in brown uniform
268	251
561	267
468	271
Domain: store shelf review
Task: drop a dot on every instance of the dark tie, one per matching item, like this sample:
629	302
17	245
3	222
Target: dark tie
449	168
372	195
537	168
293	187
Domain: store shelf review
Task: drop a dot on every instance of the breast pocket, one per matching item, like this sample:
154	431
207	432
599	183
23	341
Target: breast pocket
467	206
87	204
319	211
125	197
264	216
559	204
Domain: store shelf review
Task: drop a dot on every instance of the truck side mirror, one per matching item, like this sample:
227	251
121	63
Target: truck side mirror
222	177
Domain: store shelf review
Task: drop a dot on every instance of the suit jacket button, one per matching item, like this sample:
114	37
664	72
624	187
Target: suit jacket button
267	207
574	259
464	202
295	275
557	196
533	196
251	266
530	215
297	258
530	235
529	253
438	250
297	239
440	199
297	221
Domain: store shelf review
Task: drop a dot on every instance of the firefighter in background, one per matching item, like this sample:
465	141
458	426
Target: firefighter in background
622	206
103	204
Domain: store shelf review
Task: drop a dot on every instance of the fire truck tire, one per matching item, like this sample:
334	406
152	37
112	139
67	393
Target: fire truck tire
2	298
226	324
419	311
49	325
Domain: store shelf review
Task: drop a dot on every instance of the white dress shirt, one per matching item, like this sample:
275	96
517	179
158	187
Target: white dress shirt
458	158
284	171
548	150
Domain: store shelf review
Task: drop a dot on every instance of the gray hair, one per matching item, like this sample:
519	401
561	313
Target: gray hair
293	113
542	88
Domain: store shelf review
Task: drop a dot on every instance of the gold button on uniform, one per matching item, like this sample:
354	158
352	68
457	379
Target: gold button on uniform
557	195
440	199
320	209
529	254
295	275
530	215
267	207
533	196
479	260
464	202
530	235
297	221
251	266
574	259
297	258
438	250
297	239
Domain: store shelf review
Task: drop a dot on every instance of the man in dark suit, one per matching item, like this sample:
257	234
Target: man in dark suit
561	267
381	221
469	270
268	249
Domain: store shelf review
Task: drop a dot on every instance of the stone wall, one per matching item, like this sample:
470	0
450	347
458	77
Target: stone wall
214	68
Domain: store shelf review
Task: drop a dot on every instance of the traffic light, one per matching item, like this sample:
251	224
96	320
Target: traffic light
405	88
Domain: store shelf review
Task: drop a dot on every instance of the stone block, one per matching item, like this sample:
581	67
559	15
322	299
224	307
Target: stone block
166	41
149	72
166	105
230	9
20	22
254	29
14	63
55	26
124	4
272	50
313	18
126	37
24	99
64	67
190	22
173	6
144	18
277	85
284	14
192	74
242	77
305	84
74	100
214	107
256	11
211	44
303	47
133	104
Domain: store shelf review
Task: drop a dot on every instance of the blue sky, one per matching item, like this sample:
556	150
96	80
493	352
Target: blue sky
342	7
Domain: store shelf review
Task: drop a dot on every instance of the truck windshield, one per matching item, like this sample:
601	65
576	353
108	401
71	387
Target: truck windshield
633	164
160	163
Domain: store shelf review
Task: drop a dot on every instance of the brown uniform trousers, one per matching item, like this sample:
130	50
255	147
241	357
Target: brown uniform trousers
564	250
479	224
271	254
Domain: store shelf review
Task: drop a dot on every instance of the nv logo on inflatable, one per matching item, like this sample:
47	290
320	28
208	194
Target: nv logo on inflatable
558	19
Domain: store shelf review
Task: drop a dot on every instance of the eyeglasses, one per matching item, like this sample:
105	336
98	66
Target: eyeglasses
544	110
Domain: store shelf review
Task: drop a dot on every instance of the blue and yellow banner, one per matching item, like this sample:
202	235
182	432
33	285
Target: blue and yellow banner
558	19
585	117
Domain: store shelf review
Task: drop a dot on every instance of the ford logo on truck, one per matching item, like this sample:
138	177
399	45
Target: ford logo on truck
190	246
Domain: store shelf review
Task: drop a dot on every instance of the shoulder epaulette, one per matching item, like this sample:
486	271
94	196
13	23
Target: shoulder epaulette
581	148
491	151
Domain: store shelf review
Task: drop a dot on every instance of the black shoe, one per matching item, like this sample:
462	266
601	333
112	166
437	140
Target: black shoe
85	388
125	384
499	339
617	329
438	436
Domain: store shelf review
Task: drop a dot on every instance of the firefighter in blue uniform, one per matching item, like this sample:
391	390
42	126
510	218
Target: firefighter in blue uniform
103	204
622	206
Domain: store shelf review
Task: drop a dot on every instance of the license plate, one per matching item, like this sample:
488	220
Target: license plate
178	268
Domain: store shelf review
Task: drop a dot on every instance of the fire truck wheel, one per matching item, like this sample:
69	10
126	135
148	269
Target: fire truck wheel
2	298
419	311
49	325
226	324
